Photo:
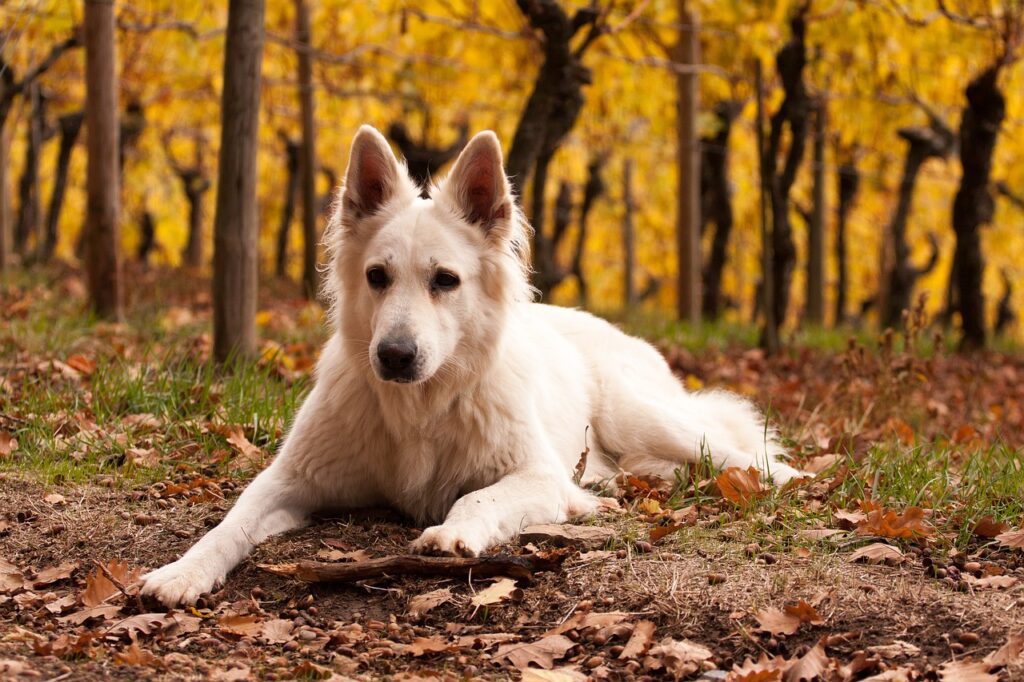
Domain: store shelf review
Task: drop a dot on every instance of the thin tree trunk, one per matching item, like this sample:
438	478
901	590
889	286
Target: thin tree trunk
593	189
310	276
27	224
291	151
103	247
716	205
628	237
70	126
766	297
5	213
687	52
849	180
973	205
816	226
236	222
147	228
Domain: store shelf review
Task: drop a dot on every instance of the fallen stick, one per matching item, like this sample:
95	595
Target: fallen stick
520	567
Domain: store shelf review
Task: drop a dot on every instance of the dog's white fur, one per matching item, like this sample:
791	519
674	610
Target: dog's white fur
483	436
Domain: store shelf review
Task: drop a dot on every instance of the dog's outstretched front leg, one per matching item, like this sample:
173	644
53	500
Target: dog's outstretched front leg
270	505
498	512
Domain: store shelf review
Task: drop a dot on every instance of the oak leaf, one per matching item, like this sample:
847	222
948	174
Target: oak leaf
428	645
877	553
543	652
55	574
966	671
1010	653
639	641
1013	538
277	631
887	523
740	486
678	657
809	666
422	603
238	624
134	655
503	589
988	527
99	588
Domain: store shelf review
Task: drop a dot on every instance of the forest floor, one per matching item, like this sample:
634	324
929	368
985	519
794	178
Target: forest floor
120	445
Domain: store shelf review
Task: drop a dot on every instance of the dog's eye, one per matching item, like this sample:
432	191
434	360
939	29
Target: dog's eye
377	278
445	281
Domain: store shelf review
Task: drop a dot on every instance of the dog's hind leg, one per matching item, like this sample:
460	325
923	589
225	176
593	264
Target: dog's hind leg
655	426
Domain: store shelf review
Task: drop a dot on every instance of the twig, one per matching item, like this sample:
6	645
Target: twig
520	567
120	586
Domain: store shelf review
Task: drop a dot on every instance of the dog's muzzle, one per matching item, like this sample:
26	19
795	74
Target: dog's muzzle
397	360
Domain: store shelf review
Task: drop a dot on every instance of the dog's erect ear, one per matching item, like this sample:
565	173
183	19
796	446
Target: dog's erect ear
477	186
372	175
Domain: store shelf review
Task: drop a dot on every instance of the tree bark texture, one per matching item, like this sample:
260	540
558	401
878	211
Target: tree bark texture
291	159
816	225
236	220
102	227
973	205
591	191
628	237
307	155
766	293
716	204
849	181
70	126
688	148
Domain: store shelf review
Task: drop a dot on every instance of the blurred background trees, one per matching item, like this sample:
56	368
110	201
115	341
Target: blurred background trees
893	136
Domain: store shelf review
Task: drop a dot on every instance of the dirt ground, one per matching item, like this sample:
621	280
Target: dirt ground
705	585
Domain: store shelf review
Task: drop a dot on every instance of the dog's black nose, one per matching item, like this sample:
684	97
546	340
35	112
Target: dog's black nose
397	356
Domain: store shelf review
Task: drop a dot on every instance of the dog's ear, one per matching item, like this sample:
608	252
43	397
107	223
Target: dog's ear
477	186
372	175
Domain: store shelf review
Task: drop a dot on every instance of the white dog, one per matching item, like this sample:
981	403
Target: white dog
445	393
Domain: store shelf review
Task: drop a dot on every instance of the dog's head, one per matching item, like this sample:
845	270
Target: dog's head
417	283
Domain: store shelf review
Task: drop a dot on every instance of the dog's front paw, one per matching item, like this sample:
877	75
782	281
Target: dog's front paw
180	582
783	473
448	540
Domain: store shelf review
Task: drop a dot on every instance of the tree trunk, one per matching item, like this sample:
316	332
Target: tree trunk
716	204
935	141
766	293
849	180
70	126
103	246
792	113
147	228
236	222
687	52
816	225
26	226
291	151
973	204
591	191
307	155
628	238
5	219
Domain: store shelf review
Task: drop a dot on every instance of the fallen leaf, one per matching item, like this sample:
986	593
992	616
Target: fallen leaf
987	527
765	669
8	443
996	582
503	589
10	669
568	535
55	574
428	645
809	666
877	553
588	619
237	624
848	520
1013	538
1010	653
250	455
422	603
887	523
338	555
99	588
143	457
133	655
678	657
277	631
143	623
54	499
11	579
664	530
104	611
898	649
485	641
819	533
740	486
543	652
556	675
82	364
966	671
639	641
902	674
816	465
788	621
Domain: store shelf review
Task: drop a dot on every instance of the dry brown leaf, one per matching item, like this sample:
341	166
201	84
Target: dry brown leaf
678	657
1013	538
54	499
105	611
815	465
238	624
543	652
639	641
8	443
902	674
143	457
809	666
819	533
54	574
236	673
10	669
11	579
887	523
588	619
249	454
996	582
428	645
787	622
556	675
143	623
486	640
1010	653
503	589
338	555
988	527
848	520
277	631
664	530
134	655
422	603
898	649
740	486
966	671
99	588
877	553
81	364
